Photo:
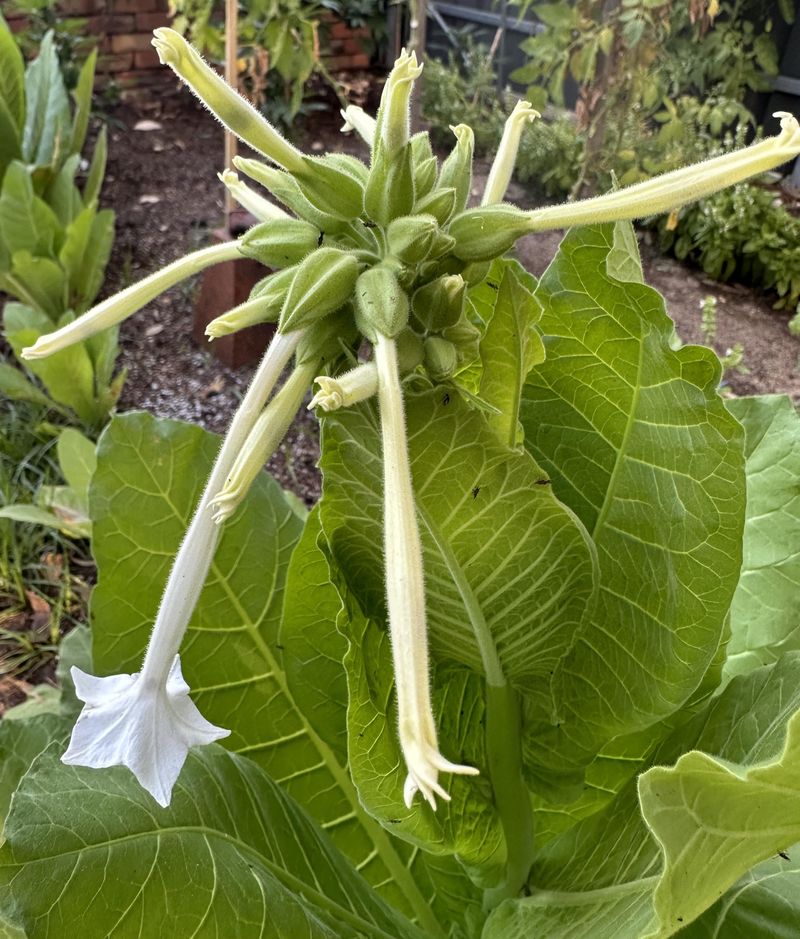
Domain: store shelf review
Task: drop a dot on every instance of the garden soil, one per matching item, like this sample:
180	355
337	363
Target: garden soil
161	181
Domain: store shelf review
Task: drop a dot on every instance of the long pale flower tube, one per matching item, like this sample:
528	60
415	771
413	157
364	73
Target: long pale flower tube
234	111
506	156
121	305
262	441
357	119
347	389
147	721
405	594
677	188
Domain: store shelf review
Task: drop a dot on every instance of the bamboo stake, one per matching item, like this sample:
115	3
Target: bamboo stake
231	76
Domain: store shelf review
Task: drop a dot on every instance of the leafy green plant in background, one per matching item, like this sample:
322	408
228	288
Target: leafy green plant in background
69	35
54	240
602	711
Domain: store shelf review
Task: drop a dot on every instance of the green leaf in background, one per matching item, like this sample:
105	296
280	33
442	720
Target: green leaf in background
600	878
90	275
638	443
77	459
12	75
38	281
14	385
97	168
62	195
231	851
37	515
82	96
765	618
149	476
68	374
510	348
9	138
27	223
47	118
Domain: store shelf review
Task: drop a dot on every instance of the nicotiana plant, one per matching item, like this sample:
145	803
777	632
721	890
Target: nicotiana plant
550	587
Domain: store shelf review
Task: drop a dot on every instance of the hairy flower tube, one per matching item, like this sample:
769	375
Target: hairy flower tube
254	202
385	251
405	595
147	721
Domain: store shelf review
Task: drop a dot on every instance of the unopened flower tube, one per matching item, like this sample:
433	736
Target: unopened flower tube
506	157
129	301
249	199
405	594
147	721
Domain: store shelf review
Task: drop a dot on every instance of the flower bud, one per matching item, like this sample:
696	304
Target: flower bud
237	114
441	359
410	350
488	232
440	203
424	163
381	304
410	237
390	188
285	189
264	306
457	168
440	303
334	184
323	282
506	157
393	114
474	273
280	243
442	244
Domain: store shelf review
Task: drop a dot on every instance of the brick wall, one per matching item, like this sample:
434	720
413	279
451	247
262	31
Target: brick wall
125	28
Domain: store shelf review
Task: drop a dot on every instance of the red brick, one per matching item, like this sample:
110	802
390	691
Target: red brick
131	42
151	21
147	60
106	24
18	25
347	63
339	30
133	6
78	7
115	63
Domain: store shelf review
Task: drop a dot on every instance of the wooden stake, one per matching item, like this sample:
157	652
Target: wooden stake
232	78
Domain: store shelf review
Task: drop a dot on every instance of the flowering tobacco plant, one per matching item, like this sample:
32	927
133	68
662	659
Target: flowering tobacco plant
532	592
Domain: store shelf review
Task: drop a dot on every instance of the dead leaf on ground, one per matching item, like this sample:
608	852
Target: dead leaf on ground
149	199
146	124
216	387
154	330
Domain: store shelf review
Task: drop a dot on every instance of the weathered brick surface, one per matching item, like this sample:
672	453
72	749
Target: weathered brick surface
147	22
106	24
131	42
115	63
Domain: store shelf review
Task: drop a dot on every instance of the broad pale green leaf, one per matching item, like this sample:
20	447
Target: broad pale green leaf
77	245
70	506
231	851
27	223
62	195
74	649
510	348
35	515
67	375
12	75
47	118
97	168
89	277
638	443
764	904
599	878
9	138
765	614
149	476
494	538
14	385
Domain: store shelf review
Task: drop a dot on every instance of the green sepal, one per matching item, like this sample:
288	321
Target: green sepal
333	185
410	351
381	304
273	287
390	188
457	168
440	303
441	203
280	243
411	237
466	337
326	339
488	232
323	282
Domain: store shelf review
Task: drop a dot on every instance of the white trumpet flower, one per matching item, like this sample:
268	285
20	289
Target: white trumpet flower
345	390
506	156
146	721
405	595
256	204
357	119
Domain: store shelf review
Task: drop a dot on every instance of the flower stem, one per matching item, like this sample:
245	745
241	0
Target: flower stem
196	552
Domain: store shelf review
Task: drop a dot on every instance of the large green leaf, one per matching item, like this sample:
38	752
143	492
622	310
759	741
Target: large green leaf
765	616
638	442
47	118
9	138
82	95
12	76
607	877
14	385
231	852
38	281
149	476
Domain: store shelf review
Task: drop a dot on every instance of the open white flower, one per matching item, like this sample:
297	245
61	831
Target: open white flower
146	721
146	727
